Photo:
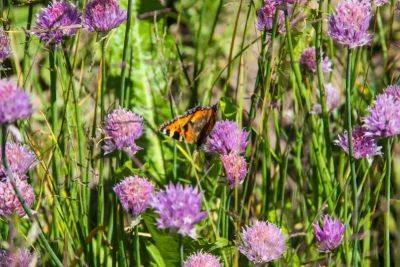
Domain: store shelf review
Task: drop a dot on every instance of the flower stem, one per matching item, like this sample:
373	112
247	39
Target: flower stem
351	157
27	210
386	240
137	246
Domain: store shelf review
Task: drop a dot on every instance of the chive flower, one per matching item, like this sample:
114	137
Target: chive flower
201	259
135	194
332	100
394	91
235	168
9	202
103	15
57	21
349	24
20	158
5	49
330	235
14	103
179	209
262	242
21	257
308	60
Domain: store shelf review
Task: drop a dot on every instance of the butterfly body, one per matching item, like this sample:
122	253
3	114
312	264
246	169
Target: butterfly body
193	126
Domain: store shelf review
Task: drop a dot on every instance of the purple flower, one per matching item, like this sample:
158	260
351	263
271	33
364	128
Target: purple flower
5	49
201	259
266	14
393	90
103	15
20	160
226	137
9	203
384	117
262	242
135	194
122	129
235	168
309	60
21	257
14	103
364	146
330	235
332	99
59	20
179	209
349	25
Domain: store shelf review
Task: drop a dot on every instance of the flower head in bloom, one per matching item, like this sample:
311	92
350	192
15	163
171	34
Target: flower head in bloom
14	103
226	137
20	159
332	98
393	90
103	15
309	60
262	242
383	119
57	21
349	25
266	14
5	49
179	209
18	258
235	168
9	203
330	235
364	146
135	194
122	129
201	259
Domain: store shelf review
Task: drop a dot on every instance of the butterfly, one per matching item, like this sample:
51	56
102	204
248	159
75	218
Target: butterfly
193	126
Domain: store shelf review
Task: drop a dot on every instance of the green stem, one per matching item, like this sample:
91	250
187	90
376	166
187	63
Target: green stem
124	55
351	157
137	246
387	212
27	210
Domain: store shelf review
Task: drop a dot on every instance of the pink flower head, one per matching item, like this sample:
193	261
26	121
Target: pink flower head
179	209
262	242
59	20
122	129
226	137
9	203
349	25
201	259
21	257
135	194
266	14
332	98
394	91
330	235
20	160
308	59
235	168
14	103
383	119
103	15
364	146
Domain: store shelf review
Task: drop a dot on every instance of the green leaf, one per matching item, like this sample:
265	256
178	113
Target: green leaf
155	255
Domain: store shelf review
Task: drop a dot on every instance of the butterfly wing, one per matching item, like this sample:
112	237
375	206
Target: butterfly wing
193	126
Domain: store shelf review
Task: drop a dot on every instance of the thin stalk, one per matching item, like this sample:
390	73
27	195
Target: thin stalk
137	246
351	157
124	55
181	251
27	210
386	241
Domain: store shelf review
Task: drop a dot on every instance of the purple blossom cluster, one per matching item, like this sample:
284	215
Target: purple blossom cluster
14	103
262	242
59	20
266	14
308	60
20	158
135	194
122	128
201	259
349	25
103	15
9	202
21	257
332	99
229	141
179	209
330	235
5	49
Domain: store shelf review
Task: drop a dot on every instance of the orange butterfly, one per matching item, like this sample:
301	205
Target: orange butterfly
192	127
